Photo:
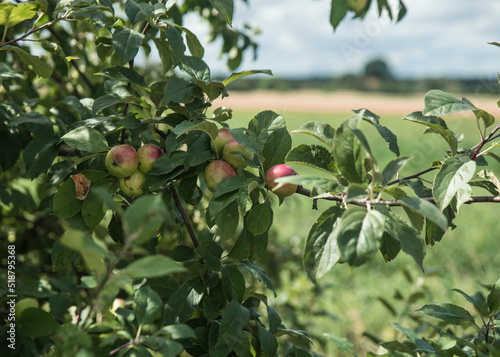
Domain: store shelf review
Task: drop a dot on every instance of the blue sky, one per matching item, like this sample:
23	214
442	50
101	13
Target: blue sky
436	38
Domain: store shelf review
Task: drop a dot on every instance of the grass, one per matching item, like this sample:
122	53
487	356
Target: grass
350	301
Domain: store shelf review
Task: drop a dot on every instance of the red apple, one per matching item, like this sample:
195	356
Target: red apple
121	160
277	171
148	154
220	140
216	171
132	185
236	161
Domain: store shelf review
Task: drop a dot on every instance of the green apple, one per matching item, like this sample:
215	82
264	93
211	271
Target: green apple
216	171
356	5
220	140
148	154
121	160
277	171
236	161
132	185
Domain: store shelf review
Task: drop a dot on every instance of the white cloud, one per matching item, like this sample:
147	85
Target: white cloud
445	37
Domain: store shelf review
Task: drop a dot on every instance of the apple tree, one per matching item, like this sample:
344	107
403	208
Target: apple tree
136	218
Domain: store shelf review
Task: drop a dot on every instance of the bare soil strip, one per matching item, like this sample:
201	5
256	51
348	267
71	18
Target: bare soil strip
328	102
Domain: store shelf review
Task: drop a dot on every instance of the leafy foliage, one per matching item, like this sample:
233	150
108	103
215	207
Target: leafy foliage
180	269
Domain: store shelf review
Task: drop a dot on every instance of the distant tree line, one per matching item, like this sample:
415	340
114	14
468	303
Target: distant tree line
376	77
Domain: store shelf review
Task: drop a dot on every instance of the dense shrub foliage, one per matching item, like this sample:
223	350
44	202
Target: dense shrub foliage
152	262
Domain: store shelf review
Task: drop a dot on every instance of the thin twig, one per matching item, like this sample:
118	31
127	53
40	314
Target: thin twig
363	201
412	176
48	24
184	214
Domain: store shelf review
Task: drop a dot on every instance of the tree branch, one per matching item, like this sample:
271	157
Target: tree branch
418	174
184	214
48	24
363	201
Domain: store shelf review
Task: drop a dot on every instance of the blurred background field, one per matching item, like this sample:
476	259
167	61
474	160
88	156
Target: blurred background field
353	303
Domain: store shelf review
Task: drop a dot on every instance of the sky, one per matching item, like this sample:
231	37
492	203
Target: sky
436	38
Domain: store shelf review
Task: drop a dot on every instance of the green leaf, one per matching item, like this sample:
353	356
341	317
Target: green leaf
260	274
40	153
177	332
166	164
274	319
11	15
494	299
322	131
215	350
268	342
453	175
437	125
433	233
386	134
237	75
408	237
93	210
208	127
276	148
126	43
234	319
258	220
359	235
348	152
176	43
248	246
178	90
211	253
213	90
105	101
393	168
65	203
231	184
153	266
228	219
316	156
145	216
321	252
183	302
469	299
265	123
196	68
487	118
337	12
225	8
194	44
123	74
36	322
33	117
147	305
426	209
233	283
165	53
93	254
450	313
377	176
438	102
40	67
86	139
319	184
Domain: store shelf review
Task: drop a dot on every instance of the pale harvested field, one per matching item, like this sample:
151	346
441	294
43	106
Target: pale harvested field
343	102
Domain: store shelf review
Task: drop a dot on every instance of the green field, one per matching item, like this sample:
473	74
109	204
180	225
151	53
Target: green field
346	301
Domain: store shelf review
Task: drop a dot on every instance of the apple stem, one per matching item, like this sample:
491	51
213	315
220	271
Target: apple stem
184	214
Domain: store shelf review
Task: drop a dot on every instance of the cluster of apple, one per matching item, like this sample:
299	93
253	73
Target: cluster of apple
224	146
130	166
